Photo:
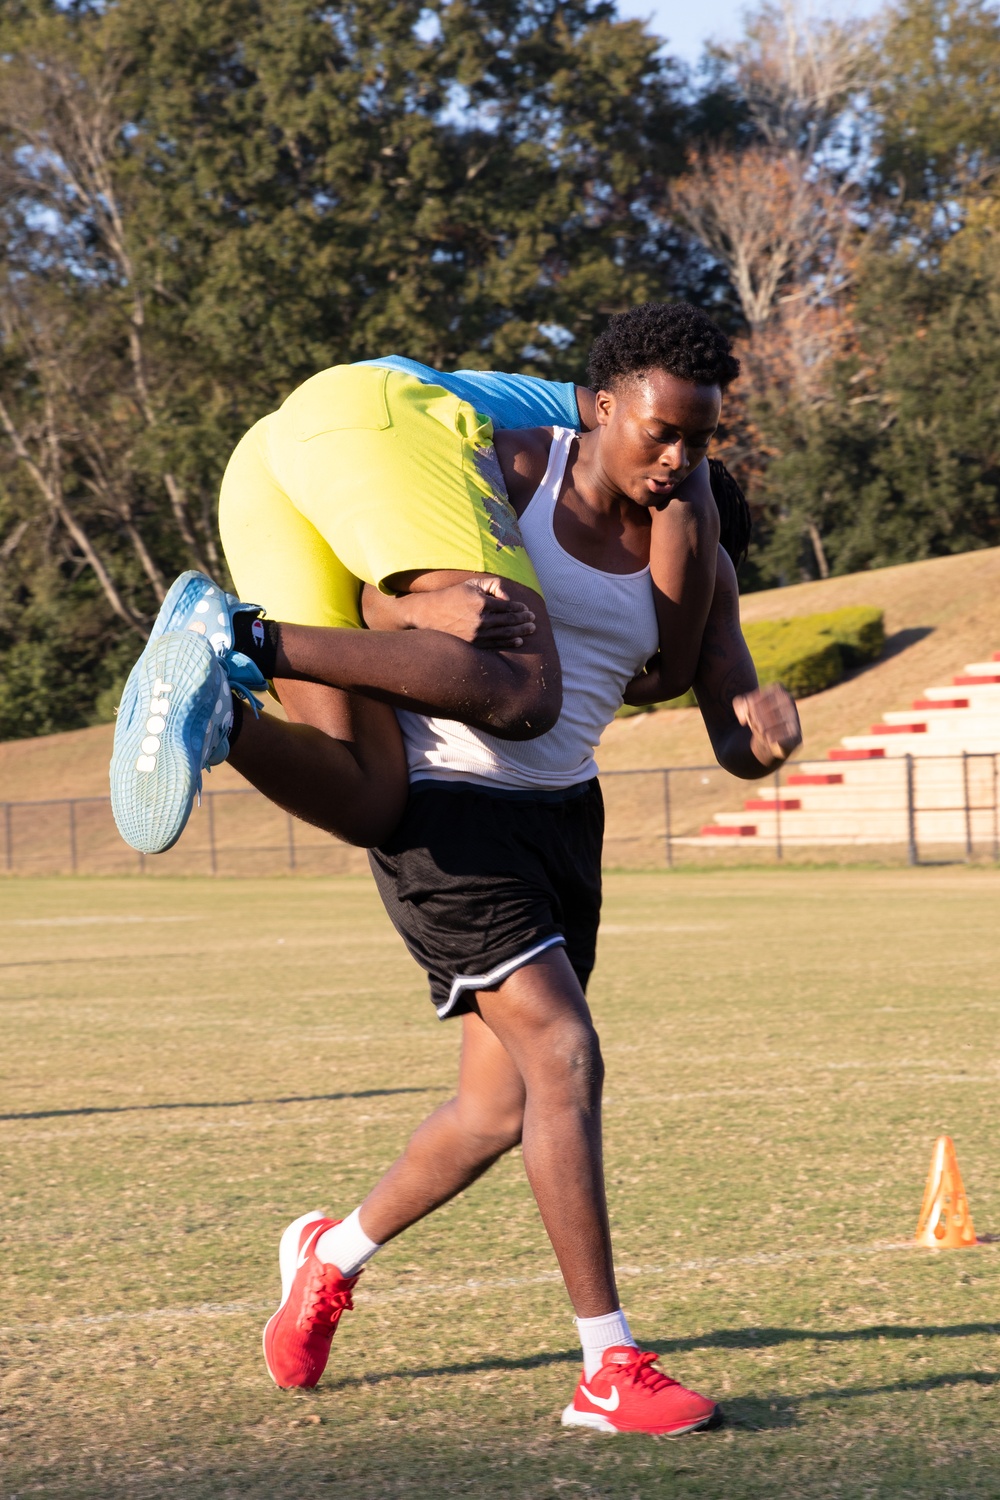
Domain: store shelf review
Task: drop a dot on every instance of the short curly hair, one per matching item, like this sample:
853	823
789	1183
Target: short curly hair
670	336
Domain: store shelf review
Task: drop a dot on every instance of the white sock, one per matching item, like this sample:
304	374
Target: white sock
346	1246
597	1334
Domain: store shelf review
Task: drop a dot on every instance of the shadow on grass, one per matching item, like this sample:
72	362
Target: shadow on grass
896	643
766	1413
762	1338
726	1338
127	1109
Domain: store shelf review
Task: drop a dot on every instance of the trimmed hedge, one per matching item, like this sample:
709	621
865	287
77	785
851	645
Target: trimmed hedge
807	653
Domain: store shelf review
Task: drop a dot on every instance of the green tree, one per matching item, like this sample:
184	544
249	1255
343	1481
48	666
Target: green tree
201	204
900	460
895	457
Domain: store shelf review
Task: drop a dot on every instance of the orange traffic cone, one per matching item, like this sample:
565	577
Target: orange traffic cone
945	1221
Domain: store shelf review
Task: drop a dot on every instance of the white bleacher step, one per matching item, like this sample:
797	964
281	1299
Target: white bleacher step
860	777
958	721
894	745
979	695
826	799
934	825
858	795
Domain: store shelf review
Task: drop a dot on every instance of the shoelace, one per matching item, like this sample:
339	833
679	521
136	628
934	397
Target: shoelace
641	1371
246	695
322	1303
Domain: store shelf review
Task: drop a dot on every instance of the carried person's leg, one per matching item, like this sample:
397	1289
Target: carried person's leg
369	475
416	499
514	693
338	763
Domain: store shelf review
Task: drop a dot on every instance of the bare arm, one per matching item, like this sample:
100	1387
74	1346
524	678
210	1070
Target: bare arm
683	557
513	693
479	611
752	730
684	561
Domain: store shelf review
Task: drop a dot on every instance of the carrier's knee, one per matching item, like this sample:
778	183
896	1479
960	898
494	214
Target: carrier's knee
573	1071
492	1132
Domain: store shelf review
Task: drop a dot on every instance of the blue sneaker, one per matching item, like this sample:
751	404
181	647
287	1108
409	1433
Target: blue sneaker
173	723
194	602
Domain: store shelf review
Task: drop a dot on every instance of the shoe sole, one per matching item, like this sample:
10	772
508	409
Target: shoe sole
153	787
571	1417
288	1256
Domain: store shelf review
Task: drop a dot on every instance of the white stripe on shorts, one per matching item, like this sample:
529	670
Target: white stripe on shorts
463	982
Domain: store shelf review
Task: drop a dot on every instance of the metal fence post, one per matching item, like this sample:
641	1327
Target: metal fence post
778	854
668	833
291	842
996	831
965	799
72	836
8	835
210	799
911	814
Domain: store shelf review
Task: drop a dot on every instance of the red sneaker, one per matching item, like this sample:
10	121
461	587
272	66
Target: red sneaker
313	1295
628	1394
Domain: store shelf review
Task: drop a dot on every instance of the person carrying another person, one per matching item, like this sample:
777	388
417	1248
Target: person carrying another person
490	864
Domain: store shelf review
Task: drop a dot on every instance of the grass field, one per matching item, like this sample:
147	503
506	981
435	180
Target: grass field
188	1064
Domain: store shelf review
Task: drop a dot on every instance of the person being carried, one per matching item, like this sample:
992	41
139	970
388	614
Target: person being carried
371	475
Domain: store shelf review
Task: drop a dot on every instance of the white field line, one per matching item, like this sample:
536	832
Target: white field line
470	1287
100	921
619	929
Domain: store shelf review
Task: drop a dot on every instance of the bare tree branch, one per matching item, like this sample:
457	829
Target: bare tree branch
797	72
79	159
53	496
780	229
11	541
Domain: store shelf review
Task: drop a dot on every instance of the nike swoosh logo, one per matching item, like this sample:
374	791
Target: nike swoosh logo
607	1403
304	1252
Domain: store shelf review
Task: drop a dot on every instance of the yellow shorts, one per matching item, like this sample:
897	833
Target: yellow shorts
363	473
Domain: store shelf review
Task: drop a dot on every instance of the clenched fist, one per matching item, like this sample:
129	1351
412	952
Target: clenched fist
773	721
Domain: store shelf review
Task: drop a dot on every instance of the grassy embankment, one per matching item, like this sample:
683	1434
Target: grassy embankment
938	614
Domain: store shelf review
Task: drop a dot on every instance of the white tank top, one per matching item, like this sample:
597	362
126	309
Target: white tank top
605	630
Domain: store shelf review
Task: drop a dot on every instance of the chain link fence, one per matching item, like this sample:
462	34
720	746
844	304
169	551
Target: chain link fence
911	809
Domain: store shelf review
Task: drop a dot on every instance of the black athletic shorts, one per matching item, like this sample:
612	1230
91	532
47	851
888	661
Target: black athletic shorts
479	882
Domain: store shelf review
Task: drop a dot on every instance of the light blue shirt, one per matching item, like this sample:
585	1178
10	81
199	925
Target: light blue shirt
508	400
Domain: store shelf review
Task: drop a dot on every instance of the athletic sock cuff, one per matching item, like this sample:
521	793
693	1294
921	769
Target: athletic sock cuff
257	638
346	1245
609	1331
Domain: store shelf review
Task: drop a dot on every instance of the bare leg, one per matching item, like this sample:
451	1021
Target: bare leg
457	1143
539	1055
541	1016
339	764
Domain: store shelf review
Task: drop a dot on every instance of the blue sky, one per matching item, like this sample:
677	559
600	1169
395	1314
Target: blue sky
688	26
